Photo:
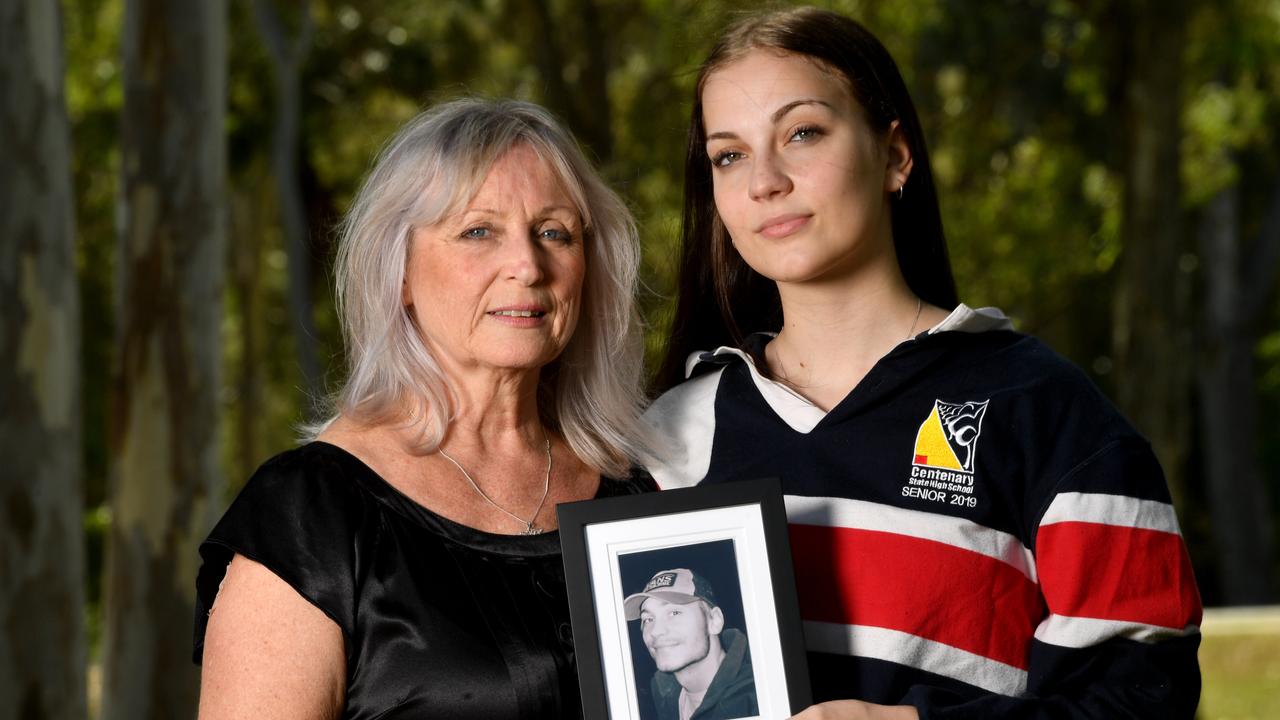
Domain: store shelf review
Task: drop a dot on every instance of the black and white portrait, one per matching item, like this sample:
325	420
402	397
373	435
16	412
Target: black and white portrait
689	646
684	604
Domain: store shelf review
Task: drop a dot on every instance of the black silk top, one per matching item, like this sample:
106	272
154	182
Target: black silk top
439	619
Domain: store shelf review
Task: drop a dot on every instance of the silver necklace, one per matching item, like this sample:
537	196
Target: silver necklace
919	307
529	527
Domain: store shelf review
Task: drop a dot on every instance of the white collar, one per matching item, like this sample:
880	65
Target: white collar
967	319
801	414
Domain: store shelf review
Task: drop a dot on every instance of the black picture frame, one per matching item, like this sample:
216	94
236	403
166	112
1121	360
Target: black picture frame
610	547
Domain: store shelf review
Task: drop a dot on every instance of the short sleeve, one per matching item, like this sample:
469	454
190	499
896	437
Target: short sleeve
305	521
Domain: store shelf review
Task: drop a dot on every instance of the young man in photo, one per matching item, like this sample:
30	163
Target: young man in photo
704	669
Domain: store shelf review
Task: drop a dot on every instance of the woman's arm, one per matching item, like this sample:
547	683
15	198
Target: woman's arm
268	653
857	710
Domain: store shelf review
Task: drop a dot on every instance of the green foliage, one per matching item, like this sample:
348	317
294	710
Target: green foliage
1018	100
1234	104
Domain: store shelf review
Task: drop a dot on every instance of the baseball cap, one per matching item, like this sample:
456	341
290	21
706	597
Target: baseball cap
679	586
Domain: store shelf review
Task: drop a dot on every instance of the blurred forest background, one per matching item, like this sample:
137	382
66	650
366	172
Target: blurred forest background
173	170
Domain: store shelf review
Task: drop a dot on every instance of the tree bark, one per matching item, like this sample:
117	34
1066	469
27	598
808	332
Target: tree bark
287	56
584	104
1151	328
597	112
245	262
1238	503
42	644
165	479
1263	270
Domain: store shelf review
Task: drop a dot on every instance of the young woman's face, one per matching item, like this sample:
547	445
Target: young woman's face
801	180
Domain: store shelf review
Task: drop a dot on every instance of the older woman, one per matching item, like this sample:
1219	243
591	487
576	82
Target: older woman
404	563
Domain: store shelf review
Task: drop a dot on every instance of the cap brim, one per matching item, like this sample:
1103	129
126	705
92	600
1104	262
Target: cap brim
631	605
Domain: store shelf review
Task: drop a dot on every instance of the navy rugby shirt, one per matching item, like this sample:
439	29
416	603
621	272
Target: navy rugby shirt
976	530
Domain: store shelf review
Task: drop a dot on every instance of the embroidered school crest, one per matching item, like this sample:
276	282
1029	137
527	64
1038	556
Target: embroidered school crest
946	448
948	438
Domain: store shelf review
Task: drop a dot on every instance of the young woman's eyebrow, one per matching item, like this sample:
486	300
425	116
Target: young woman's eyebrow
782	111
777	116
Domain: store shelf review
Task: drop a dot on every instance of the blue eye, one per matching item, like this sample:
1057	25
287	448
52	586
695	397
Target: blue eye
556	235
475	233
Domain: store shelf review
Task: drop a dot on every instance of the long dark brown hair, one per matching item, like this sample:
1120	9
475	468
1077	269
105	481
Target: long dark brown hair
719	295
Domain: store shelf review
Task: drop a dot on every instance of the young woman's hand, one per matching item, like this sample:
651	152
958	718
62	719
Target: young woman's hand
857	710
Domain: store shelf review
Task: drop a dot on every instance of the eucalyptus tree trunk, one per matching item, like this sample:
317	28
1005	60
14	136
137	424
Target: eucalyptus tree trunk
287	52
581	101
1236	291
42	647
163	429
1151	321
246	286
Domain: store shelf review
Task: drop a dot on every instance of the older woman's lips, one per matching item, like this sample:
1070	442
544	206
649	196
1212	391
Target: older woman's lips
783	225
519	316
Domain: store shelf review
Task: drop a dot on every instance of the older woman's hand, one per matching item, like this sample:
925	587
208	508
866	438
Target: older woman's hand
857	710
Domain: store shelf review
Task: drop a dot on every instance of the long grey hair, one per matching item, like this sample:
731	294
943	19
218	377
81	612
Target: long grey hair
433	166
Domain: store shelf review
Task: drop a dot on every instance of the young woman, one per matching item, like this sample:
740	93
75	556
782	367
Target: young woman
976	530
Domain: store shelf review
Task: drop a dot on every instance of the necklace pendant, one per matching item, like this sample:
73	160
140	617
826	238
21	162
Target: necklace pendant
529	527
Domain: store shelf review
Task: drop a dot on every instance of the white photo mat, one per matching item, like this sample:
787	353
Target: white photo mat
741	524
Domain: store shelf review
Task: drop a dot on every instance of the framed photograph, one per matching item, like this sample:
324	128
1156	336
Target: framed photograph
684	600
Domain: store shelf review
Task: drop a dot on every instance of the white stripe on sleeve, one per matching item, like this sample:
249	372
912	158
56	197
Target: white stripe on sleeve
1079	632
1119	510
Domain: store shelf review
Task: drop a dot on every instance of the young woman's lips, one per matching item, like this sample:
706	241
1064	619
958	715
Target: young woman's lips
783	225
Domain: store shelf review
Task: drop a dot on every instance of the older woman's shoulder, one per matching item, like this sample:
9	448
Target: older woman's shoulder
303	515
308	476
314	493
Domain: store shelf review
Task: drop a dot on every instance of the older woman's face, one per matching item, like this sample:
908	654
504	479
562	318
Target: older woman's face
499	285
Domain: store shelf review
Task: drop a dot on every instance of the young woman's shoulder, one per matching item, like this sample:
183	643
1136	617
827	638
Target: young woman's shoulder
683	423
1027	364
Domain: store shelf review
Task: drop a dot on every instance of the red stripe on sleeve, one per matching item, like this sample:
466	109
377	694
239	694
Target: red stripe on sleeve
1117	573
921	587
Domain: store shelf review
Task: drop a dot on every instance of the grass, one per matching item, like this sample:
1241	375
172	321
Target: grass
1240	664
